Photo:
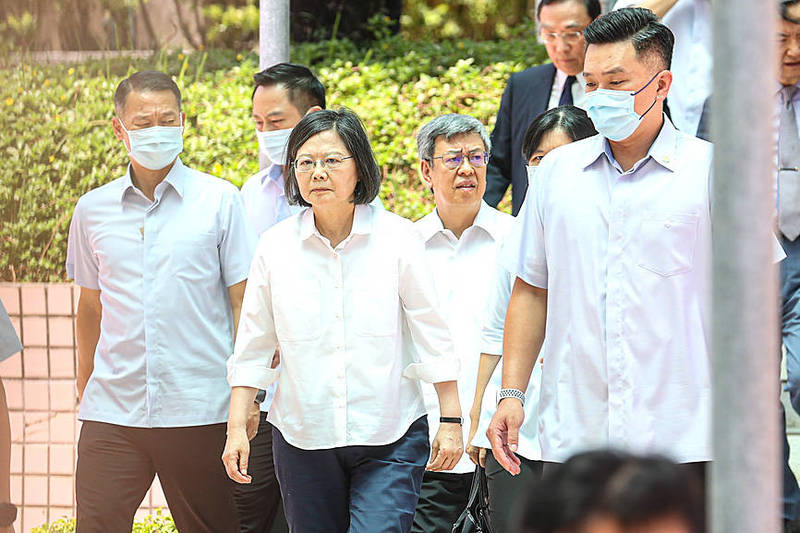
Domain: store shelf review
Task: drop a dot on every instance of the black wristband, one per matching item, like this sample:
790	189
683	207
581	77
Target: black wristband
451	420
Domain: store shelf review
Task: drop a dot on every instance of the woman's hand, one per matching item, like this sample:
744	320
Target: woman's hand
447	447
236	455
477	455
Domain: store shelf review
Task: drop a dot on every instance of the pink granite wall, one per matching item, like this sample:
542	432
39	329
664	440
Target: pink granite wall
40	388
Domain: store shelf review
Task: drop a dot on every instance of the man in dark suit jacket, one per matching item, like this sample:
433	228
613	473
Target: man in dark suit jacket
537	89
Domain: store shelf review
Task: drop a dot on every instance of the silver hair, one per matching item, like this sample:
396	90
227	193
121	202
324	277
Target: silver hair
448	126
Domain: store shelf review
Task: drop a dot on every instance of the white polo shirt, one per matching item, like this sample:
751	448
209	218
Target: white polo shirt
462	270
626	260
346	376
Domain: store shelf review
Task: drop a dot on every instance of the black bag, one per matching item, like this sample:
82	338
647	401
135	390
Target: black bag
475	518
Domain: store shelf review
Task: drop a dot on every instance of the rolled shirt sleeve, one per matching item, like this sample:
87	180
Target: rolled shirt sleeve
256	341
81	261
237	243
432	338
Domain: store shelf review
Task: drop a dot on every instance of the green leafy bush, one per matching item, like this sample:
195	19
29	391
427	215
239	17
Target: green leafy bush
56	141
159	522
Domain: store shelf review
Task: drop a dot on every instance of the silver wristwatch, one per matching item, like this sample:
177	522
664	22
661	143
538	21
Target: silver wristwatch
511	393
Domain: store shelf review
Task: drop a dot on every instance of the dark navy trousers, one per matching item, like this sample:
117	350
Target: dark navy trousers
352	489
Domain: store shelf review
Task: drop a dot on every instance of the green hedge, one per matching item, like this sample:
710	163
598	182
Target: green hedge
56	141
160	522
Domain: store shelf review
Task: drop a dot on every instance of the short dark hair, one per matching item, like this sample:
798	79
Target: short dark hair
305	90
635	24
567	118
592	7
144	81
785	5
628	488
351	130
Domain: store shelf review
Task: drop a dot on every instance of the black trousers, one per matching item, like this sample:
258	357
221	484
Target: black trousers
117	464
441	501
259	503
506	491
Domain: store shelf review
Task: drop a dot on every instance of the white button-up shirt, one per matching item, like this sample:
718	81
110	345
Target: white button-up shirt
265	200
492	343
578	90
692	60
626	260
462	270
346	376
163	269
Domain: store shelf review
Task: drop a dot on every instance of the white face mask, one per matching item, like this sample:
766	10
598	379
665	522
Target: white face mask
156	147
531	172
274	144
612	112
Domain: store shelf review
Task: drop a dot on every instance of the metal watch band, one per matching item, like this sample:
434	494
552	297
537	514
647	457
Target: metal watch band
511	393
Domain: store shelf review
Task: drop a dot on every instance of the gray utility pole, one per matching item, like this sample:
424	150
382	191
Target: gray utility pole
273	40
745	489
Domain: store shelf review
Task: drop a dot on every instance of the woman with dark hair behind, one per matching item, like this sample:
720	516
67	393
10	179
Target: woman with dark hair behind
614	492
343	287
554	128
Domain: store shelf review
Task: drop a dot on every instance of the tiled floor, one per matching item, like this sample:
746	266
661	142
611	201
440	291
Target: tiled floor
40	388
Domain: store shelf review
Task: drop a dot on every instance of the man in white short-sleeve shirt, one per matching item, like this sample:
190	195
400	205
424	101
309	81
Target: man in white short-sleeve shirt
613	280
161	255
462	235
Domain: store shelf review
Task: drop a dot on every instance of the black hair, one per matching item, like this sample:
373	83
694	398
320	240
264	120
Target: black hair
144	81
305	90
350	129
785	5
592	7
567	118
630	489
635	24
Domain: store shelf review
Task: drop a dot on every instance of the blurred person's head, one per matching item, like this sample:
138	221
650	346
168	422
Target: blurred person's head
553	128
149	120
283	94
561	25
628	57
614	492
789	42
331	161
453	151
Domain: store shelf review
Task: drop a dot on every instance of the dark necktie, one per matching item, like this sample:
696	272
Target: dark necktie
789	220
566	92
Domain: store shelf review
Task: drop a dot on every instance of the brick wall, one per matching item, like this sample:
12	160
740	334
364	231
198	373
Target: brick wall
40	388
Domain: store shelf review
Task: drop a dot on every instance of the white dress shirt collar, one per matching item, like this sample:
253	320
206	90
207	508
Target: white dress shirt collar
176	177
362	224
431	224
662	150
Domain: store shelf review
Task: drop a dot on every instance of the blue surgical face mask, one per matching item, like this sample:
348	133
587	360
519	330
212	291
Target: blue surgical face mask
274	144
156	147
612	111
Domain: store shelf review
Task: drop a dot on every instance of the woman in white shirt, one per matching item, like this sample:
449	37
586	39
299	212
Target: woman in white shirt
556	127
343	287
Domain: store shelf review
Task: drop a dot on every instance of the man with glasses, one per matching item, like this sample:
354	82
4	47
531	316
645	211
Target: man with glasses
535	90
461	238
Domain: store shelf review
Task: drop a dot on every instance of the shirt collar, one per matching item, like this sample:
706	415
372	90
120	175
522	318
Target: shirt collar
431	224
662	150
362	222
561	78
272	172
176	177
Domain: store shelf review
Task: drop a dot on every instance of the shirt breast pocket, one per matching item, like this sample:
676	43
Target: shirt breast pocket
667	242
195	257
297	310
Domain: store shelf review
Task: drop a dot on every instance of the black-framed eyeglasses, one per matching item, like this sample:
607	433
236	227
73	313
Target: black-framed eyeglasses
304	165
454	160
